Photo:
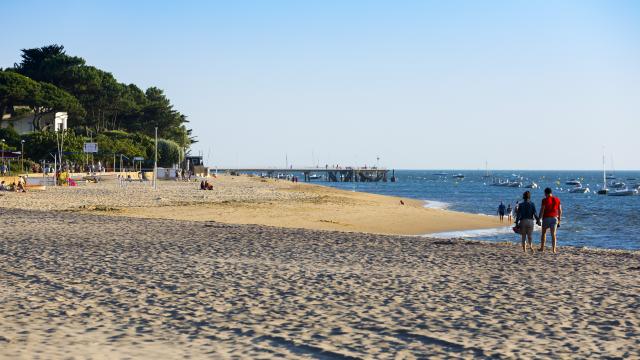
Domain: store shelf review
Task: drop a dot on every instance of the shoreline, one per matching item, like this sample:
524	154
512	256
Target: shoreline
252	200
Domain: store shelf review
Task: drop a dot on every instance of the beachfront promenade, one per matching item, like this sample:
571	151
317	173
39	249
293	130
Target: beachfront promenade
333	174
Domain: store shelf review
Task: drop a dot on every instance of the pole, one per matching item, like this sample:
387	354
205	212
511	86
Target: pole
22	156
3	156
155	164
55	171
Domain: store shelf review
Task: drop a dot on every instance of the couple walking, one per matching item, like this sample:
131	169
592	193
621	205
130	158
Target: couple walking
550	214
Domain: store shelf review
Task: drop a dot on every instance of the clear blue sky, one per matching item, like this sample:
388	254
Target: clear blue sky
422	84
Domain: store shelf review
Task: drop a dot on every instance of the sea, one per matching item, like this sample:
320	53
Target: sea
589	220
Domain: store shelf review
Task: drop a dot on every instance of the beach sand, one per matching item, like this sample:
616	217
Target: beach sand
81	278
89	286
252	200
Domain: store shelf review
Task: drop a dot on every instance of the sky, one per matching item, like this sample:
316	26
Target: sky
417	84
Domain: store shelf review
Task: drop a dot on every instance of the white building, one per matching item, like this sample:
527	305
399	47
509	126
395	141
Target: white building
24	123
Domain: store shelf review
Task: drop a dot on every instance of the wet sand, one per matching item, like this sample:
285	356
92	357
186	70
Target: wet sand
77	285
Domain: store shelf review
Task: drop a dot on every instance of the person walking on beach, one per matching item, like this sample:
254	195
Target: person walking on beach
501	210
509	212
551	214
525	213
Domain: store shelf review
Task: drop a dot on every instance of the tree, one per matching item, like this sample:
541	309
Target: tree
16	89
169	153
41	144
51	99
48	80
48	63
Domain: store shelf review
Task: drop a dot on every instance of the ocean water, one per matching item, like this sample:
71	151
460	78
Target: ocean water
589	220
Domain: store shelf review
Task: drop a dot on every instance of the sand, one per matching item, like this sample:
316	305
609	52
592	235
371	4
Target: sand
83	274
251	200
90	286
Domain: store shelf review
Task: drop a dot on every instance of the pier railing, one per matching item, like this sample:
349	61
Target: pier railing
335	174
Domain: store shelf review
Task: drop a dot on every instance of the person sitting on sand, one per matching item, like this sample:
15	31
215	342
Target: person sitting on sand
3	187
203	185
524	219
20	187
501	210
209	185
551	213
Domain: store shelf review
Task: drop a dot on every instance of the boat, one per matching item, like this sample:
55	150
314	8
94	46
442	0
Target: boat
440	174
604	190
501	183
515	184
532	185
579	190
623	192
458	176
315	177
486	170
573	182
610	177
618	185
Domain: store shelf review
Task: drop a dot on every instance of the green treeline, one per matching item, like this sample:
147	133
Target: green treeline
120	117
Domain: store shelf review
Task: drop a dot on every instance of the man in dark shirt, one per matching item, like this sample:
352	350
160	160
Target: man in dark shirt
525	213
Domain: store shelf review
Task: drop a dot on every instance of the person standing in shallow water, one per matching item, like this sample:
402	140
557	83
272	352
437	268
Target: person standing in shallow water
551	214
509	213
501	210
525	213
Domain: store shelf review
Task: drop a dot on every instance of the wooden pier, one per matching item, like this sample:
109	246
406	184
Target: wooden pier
347	174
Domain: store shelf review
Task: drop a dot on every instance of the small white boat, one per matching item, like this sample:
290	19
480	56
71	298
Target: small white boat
315	177
440	174
532	185
579	190
458	176
515	184
573	182
618	185
623	192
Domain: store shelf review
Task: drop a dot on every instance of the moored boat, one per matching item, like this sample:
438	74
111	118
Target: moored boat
579	190
623	192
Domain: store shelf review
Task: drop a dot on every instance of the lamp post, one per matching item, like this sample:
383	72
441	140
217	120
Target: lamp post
3	157
22	156
155	164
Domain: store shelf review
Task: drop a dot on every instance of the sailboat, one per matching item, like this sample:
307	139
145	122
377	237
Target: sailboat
486	170
604	190
611	176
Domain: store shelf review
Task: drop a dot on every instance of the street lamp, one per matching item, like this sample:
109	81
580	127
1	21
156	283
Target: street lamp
3	171
22	156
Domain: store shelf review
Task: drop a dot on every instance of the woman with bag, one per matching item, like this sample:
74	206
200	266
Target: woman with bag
525	214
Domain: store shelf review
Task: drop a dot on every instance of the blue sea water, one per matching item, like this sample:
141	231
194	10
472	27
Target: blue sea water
589	220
